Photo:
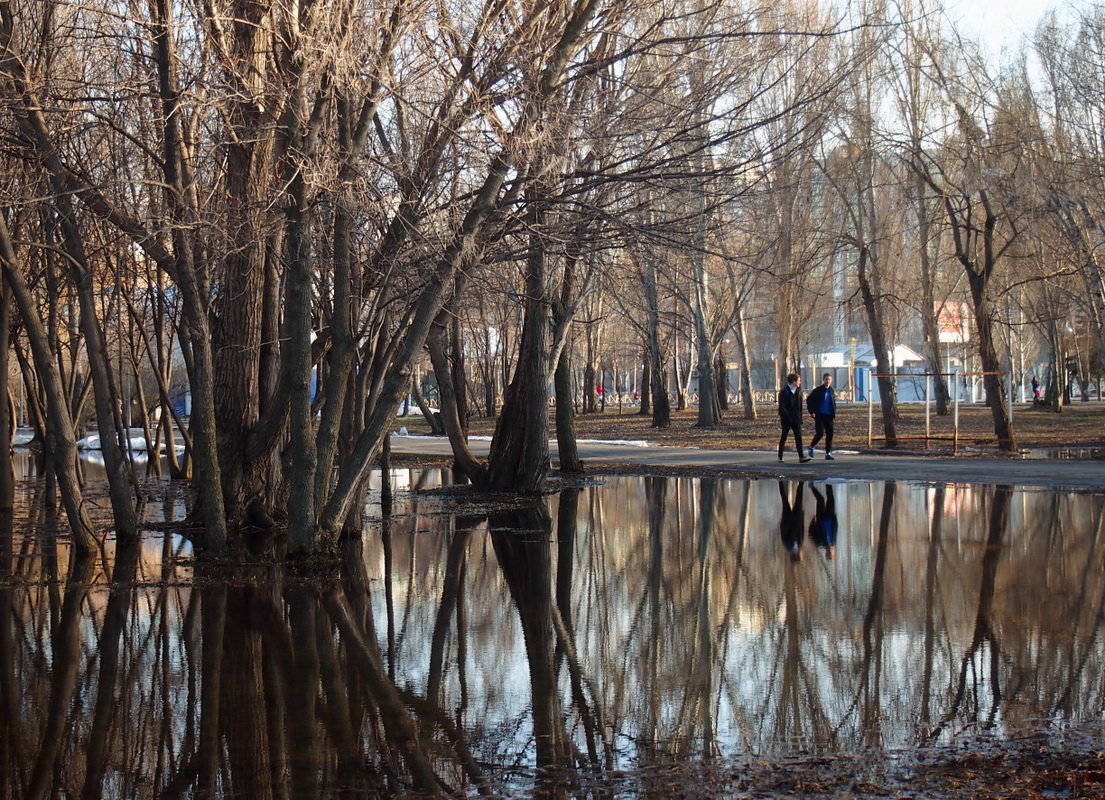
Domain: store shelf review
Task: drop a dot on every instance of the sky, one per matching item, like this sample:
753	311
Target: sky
1003	23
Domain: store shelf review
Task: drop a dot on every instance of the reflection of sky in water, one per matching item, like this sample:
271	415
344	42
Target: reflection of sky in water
693	630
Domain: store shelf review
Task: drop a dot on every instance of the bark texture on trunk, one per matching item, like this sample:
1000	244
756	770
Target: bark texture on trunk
566	444
888	391
519	458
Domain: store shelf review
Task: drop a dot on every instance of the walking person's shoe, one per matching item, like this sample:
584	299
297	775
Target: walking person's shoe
804	459
830	457
780	459
809	451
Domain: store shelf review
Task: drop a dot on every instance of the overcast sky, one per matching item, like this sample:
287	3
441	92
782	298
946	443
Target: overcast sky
1004	23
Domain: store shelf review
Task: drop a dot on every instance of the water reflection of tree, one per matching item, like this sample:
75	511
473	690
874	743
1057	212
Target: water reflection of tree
663	621
255	689
64	676
522	539
985	648
873	625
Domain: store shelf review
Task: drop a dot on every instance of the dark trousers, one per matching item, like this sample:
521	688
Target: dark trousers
823	426
787	428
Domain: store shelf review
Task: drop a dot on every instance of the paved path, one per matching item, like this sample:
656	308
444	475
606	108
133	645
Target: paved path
1087	474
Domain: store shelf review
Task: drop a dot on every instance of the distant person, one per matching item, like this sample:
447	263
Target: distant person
823	525
821	403
1035	390
790	415
792	521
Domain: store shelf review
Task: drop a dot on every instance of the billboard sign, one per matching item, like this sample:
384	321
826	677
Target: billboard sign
953	321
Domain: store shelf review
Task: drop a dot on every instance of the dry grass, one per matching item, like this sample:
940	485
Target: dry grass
1081	425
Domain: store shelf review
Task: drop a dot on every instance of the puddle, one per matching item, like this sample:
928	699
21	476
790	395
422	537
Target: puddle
620	627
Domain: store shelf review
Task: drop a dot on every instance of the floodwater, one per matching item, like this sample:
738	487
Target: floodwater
616	627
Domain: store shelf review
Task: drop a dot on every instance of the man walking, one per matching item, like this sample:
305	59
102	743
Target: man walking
821	404
790	416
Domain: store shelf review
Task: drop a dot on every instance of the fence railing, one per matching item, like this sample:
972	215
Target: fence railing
929	437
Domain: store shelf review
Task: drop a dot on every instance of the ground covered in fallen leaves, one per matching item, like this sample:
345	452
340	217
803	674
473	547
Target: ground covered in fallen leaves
1079	426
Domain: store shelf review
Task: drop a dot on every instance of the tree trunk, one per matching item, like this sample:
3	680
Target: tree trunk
888	393
644	389
566	445
340	357
519	457
7	466
451	419
302	456
61	443
183	266
748	399
929	321
661	408
991	364
459	366
708	412
721	383
590	406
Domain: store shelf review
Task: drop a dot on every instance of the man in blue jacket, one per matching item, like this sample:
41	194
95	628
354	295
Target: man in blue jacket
821	404
790	416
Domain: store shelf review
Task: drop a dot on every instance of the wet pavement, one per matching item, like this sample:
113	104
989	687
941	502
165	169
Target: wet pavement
849	465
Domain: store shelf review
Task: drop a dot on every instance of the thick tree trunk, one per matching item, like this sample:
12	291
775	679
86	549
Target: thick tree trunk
184	266
566	445
459	366
302	456
519	458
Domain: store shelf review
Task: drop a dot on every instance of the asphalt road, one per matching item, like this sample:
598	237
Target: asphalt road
1050	473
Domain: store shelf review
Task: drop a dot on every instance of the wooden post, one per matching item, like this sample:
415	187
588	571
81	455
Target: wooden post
928	414
870	415
955	418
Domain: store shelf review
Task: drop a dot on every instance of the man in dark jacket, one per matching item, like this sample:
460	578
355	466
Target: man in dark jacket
790	416
821	403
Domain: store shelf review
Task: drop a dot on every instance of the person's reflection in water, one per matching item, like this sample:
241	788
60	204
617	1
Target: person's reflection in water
823	525
792	521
